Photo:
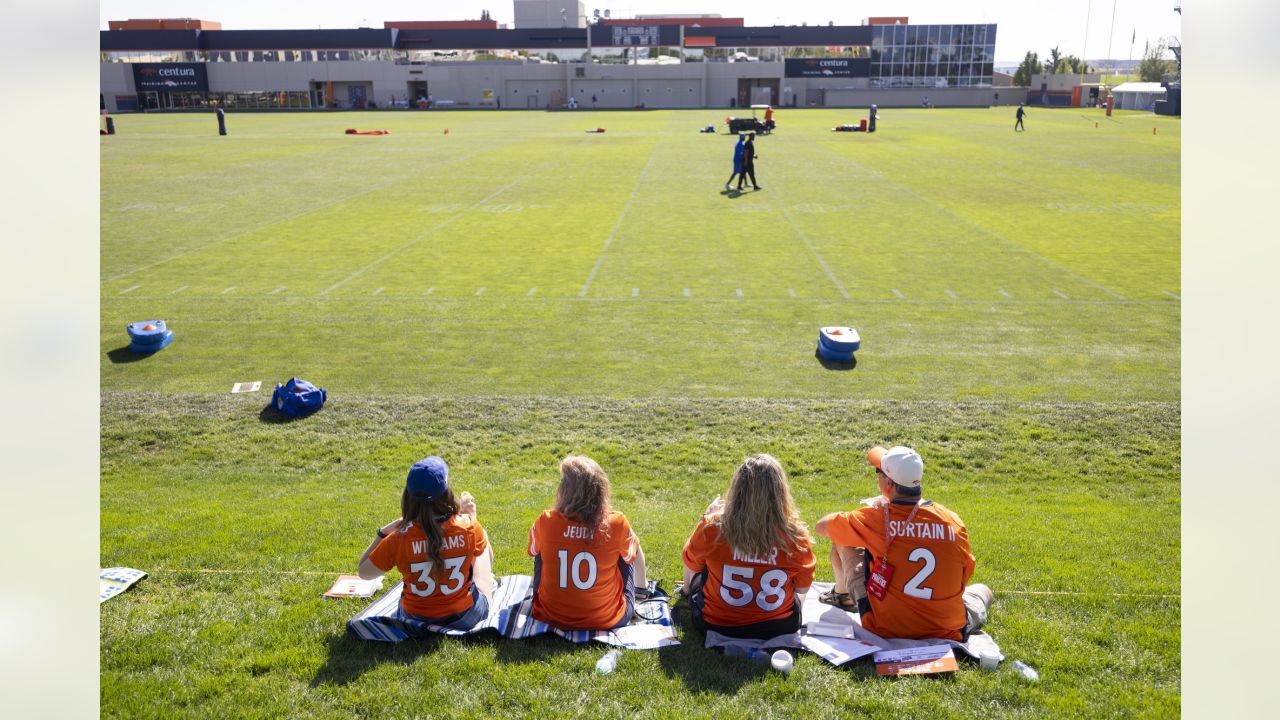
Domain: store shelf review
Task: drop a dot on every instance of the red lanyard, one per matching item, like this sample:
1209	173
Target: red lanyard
887	539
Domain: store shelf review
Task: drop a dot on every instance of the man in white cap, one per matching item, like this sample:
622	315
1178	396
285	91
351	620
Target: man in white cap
905	559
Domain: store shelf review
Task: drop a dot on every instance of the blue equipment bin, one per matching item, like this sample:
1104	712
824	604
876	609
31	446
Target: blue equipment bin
142	340
840	339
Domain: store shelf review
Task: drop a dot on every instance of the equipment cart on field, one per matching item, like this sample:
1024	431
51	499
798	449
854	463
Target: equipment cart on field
751	124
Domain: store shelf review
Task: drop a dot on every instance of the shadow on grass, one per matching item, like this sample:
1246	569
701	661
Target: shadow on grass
349	657
836	365
272	416
123	355
536	649
700	668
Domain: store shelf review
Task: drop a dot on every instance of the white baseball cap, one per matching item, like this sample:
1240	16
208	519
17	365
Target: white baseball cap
902	464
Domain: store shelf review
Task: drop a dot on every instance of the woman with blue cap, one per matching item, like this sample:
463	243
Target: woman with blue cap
439	548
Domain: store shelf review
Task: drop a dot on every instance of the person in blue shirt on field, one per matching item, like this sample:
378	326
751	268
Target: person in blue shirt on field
737	162
1018	126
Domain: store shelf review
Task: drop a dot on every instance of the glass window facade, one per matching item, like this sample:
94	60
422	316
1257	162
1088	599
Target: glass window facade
932	56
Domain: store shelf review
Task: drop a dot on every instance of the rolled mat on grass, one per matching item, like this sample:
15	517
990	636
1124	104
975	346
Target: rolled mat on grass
353	131
510	615
837	636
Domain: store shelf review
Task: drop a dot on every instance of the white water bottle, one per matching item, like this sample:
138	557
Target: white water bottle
606	664
1026	670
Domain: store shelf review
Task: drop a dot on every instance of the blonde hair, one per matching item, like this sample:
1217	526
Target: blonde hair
759	512
583	494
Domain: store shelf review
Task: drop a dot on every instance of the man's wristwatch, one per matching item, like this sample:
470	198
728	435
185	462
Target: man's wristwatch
381	534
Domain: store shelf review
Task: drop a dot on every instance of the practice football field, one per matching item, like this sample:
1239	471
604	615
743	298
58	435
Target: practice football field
517	289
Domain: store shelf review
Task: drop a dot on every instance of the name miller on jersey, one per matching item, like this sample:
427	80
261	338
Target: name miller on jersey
739	556
922	530
448	542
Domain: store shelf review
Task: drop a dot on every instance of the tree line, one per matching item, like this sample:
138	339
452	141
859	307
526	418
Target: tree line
1154	66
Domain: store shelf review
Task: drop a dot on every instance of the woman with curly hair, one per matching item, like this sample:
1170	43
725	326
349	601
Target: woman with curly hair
587	561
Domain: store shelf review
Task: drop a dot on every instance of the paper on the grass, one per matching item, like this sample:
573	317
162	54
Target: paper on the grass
641	637
353	586
836	651
243	387
113	581
916	660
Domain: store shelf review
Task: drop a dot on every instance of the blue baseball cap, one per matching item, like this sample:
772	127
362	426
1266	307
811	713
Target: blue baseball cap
428	479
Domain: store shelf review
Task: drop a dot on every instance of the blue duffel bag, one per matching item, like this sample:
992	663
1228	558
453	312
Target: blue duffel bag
298	397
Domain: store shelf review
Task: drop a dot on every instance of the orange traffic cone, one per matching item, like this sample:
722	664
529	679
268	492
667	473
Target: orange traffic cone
446	131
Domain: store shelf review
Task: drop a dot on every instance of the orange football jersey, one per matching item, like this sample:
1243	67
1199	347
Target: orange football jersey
580	586
434	592
931	568
743	590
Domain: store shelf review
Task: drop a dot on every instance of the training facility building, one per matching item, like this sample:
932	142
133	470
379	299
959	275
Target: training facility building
673	62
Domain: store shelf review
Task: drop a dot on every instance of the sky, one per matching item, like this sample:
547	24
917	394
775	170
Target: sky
1076	27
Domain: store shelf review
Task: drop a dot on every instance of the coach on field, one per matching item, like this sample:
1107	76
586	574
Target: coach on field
906	559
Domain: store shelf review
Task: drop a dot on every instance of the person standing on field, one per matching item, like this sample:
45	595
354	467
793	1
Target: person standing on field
903	563
737	164
748	163
1018	126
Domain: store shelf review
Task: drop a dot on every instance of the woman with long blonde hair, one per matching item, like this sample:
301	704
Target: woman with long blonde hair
750	561
587	561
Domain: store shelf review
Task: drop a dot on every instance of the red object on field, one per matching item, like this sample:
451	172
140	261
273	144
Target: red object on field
863	125
446	131
353	131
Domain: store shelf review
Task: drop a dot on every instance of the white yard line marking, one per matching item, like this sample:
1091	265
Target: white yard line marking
1007	295
480	291
886	181
738	292
1175	297
224	292
379	291
952	294
1061	294
461	161
687	293
791	292
418	239
129	290
635	292
898	292
279	289
175	292
591	276
429	291
533	290
809	246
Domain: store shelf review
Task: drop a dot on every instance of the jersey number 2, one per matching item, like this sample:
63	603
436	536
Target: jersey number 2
913	586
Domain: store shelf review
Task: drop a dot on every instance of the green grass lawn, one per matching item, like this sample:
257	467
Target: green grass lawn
519	289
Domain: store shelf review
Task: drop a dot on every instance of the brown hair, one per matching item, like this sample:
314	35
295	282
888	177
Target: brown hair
429	514
583	494
759	512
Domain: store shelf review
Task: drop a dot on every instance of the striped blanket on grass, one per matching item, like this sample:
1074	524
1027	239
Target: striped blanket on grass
510	615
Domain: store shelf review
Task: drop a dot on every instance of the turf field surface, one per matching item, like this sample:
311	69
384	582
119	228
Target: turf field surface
519	289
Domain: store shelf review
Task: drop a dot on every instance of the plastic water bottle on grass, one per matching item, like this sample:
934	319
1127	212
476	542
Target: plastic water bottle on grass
1026	671
747	653
606	664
